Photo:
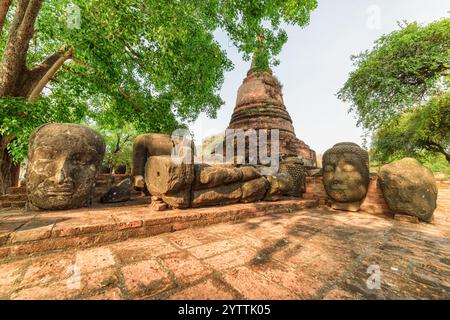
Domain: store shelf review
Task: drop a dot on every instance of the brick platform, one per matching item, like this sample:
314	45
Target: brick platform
315	253
31	233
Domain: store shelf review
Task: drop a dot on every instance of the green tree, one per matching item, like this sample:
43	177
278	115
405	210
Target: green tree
153	63
416	133
119	145
402	71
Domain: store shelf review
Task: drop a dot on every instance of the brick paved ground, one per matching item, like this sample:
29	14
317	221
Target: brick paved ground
309	254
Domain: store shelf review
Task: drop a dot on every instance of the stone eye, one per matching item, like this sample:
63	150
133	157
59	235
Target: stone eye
80	159
348	168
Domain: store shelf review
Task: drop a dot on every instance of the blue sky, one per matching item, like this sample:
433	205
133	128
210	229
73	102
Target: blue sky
315	63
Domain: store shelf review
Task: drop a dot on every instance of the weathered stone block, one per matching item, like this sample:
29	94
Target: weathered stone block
249	173
222	195
179	200
279	185
164	174
409	188
254	190
207	176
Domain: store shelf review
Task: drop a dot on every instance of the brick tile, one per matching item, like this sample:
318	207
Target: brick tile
9	274
146	277
185	267
36	229
68	288
94	259
296	281
141	249
213	248
53	291
48	268
187	239
339	294
254	286
231	259
210	289
111	294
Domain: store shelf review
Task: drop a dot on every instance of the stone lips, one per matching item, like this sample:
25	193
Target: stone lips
260	105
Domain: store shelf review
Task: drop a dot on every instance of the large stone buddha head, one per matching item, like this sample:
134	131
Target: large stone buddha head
346	175
63	160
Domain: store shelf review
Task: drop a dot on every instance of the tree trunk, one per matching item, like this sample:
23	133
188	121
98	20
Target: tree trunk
4	6
6	164
15	175
15	79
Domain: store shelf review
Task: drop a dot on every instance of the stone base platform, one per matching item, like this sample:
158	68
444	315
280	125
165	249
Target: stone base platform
30	233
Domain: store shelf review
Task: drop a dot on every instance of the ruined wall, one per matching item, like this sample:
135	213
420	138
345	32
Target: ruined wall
16	197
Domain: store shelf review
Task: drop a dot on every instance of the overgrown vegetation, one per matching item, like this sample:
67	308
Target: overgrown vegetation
399	92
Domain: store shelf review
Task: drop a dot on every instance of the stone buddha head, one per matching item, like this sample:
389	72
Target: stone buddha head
63	161
346	175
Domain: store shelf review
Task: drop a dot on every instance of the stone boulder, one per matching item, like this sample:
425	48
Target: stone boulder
167	175
178	200
249	173
279	185
221	195
211	176
254	190
118	193
409	188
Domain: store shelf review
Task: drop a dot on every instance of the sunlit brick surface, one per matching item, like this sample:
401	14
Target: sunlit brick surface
308	254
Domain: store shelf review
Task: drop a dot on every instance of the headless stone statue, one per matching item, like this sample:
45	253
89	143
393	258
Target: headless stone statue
162	164
145	146
346	175
63	161
155	144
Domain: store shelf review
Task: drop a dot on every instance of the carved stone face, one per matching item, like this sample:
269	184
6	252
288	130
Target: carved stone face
346	173
63	160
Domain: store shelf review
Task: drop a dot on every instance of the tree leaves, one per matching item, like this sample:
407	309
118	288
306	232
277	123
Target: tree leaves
403	70
416	133
151	63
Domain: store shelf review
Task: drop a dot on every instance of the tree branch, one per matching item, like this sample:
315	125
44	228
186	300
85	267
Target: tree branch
51	71
433	146
4	7
14	56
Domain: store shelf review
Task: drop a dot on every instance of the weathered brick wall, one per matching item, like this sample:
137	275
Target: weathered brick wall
16	197
374	202
315	190
443	200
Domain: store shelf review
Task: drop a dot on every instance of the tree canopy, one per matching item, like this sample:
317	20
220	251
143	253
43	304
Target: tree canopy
410	134
399	92
152	63
403	70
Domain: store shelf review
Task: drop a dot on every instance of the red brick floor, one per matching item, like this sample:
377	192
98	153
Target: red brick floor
309	254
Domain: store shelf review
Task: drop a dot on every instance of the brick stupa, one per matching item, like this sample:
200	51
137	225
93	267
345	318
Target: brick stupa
260	105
